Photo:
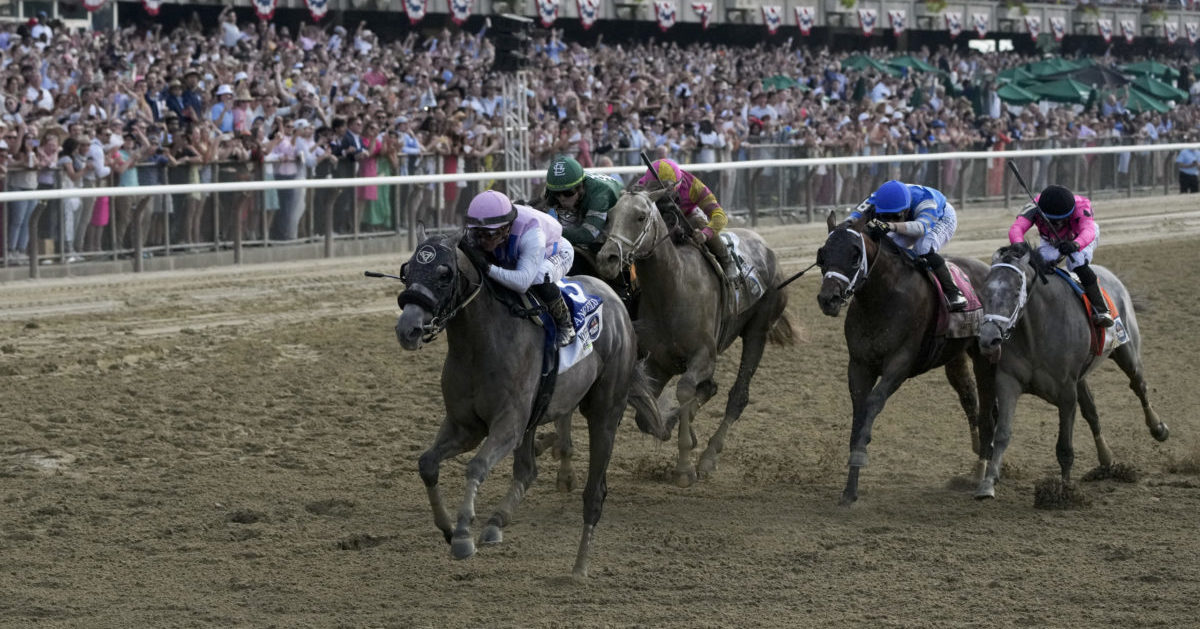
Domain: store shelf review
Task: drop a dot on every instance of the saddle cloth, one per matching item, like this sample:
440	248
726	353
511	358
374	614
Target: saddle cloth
1103	339
957	325
587	313
749	288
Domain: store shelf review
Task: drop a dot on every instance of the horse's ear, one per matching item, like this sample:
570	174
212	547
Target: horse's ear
657	193
829	222
421	234
869	215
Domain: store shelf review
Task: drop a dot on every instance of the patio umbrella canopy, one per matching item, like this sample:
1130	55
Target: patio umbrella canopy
1138	102
909	61
1016	75
863	62
1063	91
1014	94
1093	75
1050	66
1158	89
779	82
1152	68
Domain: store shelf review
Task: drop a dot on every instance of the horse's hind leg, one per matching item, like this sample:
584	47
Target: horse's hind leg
1087	407
753	342
524	473
958	373
451	440
505	434
1128	359
603	418
1006	390
564	451
1064	448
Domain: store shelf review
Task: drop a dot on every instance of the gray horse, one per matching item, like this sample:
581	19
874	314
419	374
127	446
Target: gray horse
1039	336
682	323
489	382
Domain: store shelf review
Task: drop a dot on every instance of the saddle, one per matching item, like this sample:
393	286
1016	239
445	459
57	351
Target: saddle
586	313
1102	339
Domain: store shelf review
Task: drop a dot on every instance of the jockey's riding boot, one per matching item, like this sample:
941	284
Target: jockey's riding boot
955	300
1100	315
552	298
717	246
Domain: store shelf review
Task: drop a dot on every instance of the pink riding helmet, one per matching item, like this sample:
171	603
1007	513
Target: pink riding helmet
490	210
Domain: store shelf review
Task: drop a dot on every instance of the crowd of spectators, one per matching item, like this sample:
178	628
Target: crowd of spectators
242	101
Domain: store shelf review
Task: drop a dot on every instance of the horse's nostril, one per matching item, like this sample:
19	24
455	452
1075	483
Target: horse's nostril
994	342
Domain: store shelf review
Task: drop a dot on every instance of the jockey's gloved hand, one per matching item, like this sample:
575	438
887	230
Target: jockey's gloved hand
701	236
882	226
1067	247
478	258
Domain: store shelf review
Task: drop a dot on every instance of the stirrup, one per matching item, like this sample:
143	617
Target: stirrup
958	303
566	336
1102	319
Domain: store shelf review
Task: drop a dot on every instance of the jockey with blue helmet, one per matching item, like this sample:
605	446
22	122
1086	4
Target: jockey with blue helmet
1068	230
921	219
521	249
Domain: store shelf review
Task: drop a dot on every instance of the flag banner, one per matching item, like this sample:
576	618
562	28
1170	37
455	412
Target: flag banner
547	12
953	23
1172	30
1033	24
460	10
703	10
897	17
1058	26
589	10
981	23
1127	29
664	13
804	19
772	17
867	19
1105	28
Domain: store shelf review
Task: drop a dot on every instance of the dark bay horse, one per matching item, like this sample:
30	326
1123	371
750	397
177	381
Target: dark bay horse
489	382
890	328
1040	336
683	325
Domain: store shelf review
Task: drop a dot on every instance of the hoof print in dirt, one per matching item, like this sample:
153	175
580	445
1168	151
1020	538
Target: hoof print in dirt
334	507
1122	472
1053	493
246	516
361	541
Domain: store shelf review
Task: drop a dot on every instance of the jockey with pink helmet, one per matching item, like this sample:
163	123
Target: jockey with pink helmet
521	249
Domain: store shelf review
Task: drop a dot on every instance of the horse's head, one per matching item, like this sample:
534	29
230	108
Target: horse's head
433	290
843	262
634	226
1004	295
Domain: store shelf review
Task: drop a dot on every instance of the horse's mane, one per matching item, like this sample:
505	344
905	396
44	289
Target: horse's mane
1014	252
879	237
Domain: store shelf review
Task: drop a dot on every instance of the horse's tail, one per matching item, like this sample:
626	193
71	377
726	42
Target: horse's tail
783	331
641	396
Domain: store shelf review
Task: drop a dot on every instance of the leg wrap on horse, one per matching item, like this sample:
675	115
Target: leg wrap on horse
549	295
954	297
1087	279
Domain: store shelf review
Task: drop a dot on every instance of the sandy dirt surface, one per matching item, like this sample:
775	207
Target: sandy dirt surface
237	447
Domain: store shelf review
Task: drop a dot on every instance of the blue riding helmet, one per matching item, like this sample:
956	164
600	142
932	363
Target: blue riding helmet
891	198
1056	202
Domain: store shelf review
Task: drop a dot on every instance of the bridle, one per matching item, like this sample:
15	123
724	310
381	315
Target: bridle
1003	323
627	249
861	270
445	309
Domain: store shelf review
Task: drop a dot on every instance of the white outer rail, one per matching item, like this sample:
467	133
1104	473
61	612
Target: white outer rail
243	186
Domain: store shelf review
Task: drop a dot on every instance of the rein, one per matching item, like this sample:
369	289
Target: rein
437	324
1005	324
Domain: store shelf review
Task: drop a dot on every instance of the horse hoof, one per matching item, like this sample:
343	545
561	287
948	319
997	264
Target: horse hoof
986	491
685	478
492	534
566	482
462	547
847	500
708	465
1160	432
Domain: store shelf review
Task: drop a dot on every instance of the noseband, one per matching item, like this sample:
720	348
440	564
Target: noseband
627	249
445	309
1003	323
862	270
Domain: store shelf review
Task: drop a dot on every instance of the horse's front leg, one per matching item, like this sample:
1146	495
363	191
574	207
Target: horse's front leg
1129	360
504	435
1087	407
452	439
753	343
958	373
700	370
564	451
1007	390
868	398
1064	448
524	473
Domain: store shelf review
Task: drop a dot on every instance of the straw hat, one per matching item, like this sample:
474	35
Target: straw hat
243	93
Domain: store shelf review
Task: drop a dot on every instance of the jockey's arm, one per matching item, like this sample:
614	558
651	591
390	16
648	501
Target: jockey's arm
532	251
588	232
704	199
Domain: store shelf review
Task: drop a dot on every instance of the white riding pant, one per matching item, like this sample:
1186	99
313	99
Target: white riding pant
935	237
1050	253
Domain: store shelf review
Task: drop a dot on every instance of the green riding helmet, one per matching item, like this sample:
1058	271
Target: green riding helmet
564	173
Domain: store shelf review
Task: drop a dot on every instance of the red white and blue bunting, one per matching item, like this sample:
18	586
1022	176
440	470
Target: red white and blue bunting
460	10
1193	31
953	23
772	17
1127	29
415	10
664	13
1033	24
1104	25
93	5
589	10
264	9
804	19
318	8
981	23
1172	29
867	19
703	10
1058	26
547	12
152	6
897	17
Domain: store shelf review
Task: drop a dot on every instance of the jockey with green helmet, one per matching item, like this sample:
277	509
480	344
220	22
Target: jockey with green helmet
580	201
523	250
919	218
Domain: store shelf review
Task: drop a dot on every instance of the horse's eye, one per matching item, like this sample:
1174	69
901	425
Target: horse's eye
404	272
642	218
444	274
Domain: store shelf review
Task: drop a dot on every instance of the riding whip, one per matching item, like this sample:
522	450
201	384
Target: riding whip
1021	180
795	277
650	167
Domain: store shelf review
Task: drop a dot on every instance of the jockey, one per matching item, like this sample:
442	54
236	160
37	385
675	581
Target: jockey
1064	221
701	208
580	201
521	249
921	219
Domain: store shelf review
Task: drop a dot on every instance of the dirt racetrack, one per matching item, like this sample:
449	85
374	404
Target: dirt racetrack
237	447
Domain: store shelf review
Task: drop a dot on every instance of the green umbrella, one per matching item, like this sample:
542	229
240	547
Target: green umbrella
909	61
1138	102
1158	89
1062	91
1015	74
779	82
1014	94
1050	66
863	62
1152	68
